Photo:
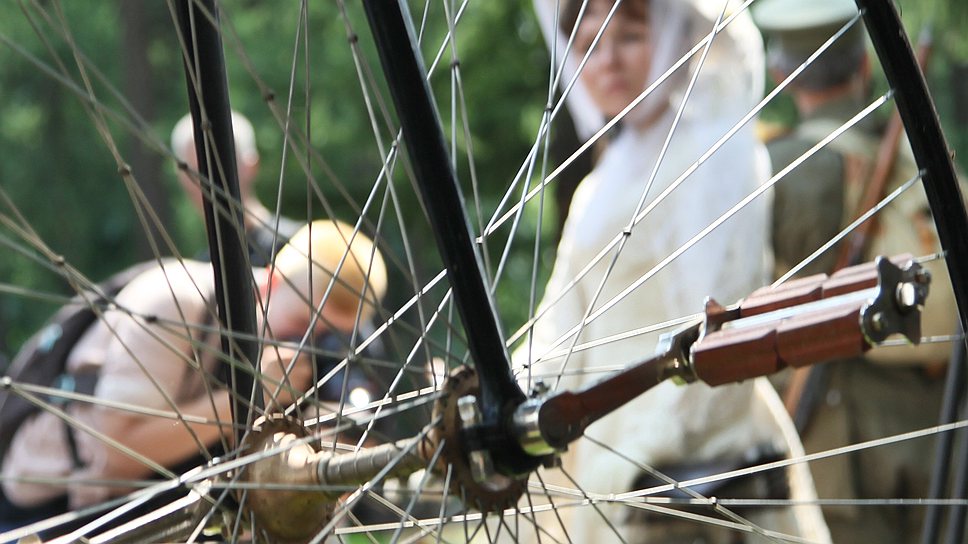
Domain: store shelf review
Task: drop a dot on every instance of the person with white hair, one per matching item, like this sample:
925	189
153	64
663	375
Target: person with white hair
681	431
151	352
265	231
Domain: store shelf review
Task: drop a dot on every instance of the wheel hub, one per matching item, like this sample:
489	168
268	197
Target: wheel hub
495	492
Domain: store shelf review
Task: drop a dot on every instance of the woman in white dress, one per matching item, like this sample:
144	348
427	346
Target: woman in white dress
671	425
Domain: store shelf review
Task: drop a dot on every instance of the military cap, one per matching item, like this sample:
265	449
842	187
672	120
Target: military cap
799	27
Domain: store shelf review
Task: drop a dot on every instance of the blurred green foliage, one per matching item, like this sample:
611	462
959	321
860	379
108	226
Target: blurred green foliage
60	173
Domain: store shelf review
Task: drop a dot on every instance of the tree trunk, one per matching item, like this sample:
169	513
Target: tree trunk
138	87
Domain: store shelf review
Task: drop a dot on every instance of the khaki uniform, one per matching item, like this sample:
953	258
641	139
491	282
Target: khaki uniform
893	390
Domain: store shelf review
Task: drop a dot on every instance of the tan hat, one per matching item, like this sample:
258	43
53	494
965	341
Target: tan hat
336	251
786	15
799	27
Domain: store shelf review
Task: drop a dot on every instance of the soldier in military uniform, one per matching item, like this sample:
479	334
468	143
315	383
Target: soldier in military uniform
894	390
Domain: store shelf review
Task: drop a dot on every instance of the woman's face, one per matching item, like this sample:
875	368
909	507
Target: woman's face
618	67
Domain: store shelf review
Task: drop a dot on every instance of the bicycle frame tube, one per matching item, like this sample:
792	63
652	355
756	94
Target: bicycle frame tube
940	184
407	79
208	93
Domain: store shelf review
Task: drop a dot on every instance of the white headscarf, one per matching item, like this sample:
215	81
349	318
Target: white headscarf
684	24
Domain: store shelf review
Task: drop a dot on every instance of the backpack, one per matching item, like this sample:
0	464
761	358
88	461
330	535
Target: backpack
42	360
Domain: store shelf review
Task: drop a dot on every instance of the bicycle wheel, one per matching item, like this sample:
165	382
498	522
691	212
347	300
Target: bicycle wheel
391	391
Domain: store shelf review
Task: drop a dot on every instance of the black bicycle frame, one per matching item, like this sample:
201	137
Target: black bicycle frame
927	140
940	184
396	42
208	93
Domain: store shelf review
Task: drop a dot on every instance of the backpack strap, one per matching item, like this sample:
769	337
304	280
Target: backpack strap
84	383
41	361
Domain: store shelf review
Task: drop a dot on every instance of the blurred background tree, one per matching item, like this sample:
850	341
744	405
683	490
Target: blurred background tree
62	175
